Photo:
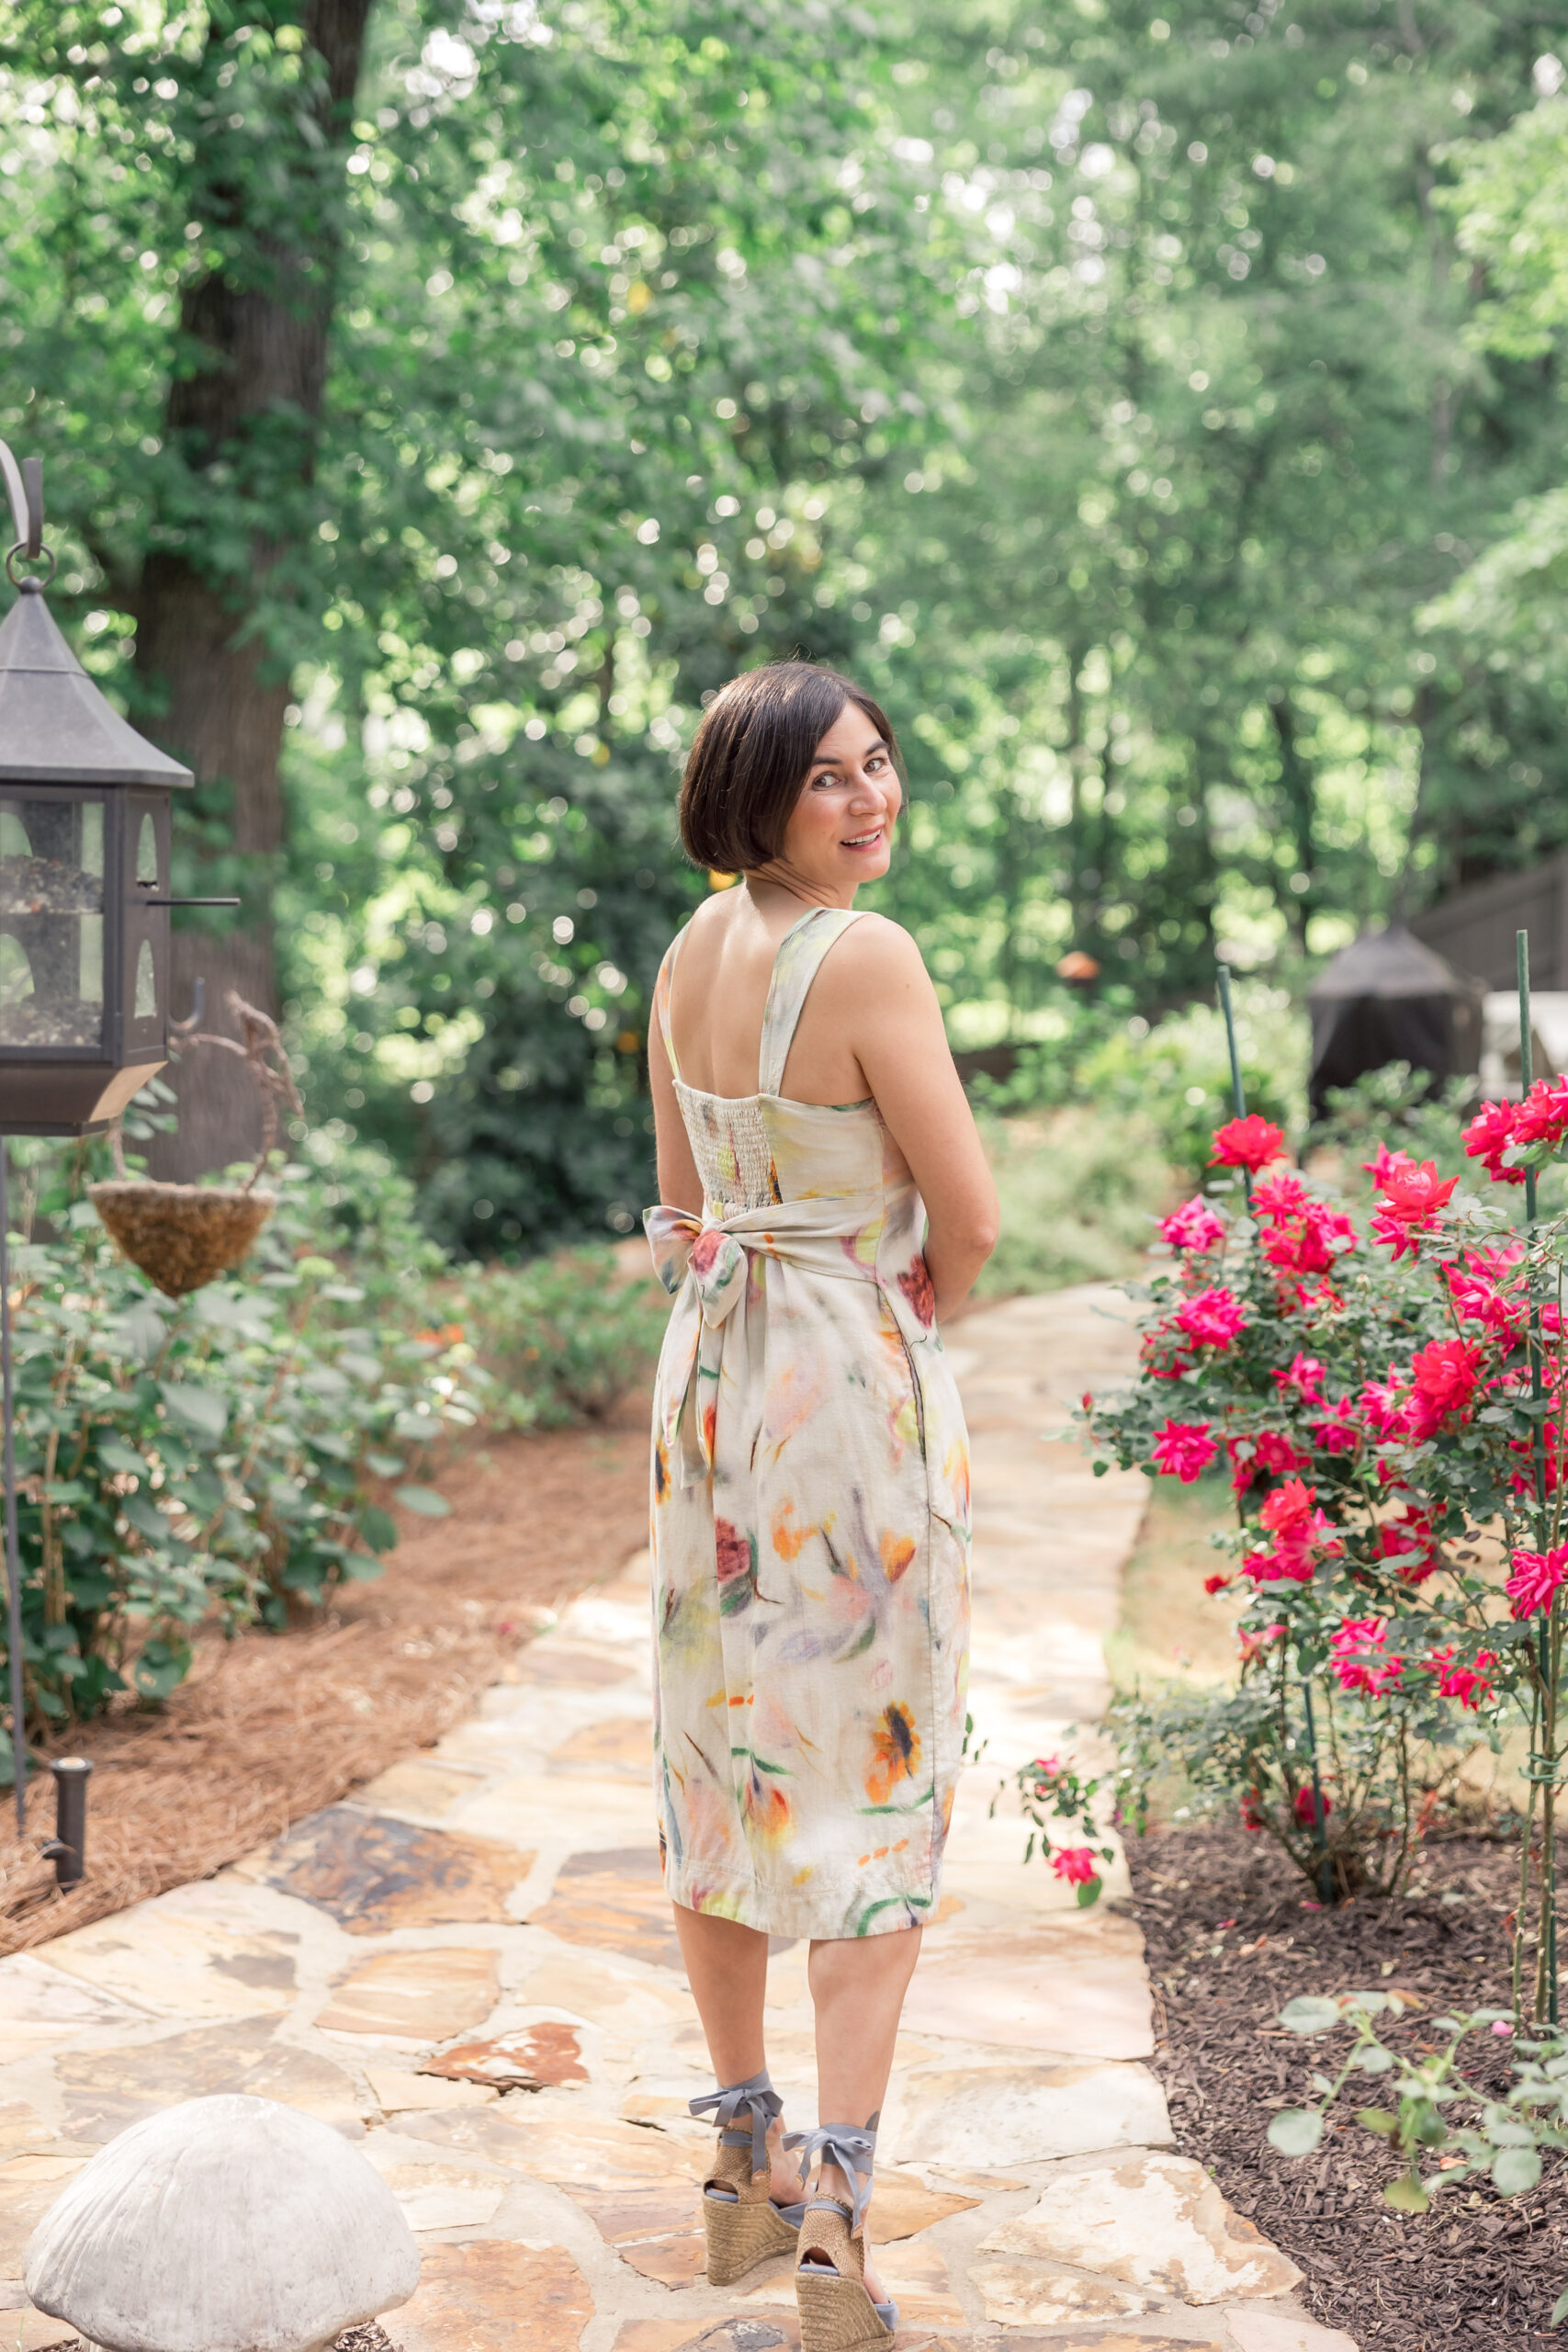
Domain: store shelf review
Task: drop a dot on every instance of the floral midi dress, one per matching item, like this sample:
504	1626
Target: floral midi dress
810	1510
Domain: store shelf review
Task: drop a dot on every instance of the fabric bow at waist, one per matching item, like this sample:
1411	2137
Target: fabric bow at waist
704	1262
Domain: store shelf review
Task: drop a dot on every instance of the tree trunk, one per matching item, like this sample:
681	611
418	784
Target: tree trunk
216	690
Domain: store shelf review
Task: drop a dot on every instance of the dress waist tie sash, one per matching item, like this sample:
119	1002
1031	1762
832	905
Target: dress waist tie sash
705	1264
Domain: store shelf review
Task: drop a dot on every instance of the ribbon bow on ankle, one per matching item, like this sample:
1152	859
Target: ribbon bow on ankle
761	2103
845	2146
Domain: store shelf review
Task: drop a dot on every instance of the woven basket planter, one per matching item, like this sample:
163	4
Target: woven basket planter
182	1234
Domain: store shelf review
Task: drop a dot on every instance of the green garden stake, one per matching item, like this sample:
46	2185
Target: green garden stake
1238	1101
1543	1765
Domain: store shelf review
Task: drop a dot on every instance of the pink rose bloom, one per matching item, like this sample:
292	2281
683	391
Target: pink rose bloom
1444	1377
1337	1433
1212	1318
1305	1375
1542	1116
1184	1450
1249	1143
1076	1864
1194	1226
1469	1684
1411	1199
1536	1577
1358	1656
1384	1406
1487	1137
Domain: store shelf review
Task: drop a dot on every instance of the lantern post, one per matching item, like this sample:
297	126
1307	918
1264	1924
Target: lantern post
85	900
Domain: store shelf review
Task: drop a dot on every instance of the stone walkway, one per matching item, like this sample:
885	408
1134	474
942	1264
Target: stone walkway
470	1970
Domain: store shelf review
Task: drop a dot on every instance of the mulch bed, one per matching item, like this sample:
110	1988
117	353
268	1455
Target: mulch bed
1477	2269
272	1726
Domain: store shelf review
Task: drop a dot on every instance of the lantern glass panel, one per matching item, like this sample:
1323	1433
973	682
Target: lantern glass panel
52	921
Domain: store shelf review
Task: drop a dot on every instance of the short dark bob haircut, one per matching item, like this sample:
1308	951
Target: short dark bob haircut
751	755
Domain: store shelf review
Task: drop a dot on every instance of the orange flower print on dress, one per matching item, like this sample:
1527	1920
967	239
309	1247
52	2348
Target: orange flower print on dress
915	1285
896	1748
790	1541
660	1470
768	1813
898	1551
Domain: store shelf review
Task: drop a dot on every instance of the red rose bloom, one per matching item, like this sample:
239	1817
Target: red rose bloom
1249	1143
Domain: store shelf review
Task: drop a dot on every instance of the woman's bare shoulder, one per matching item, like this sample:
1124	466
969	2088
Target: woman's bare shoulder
877	946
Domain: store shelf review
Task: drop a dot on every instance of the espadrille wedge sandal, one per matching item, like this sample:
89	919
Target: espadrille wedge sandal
837	2311
743	2224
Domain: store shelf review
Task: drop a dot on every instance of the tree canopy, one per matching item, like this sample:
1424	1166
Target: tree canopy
1162	413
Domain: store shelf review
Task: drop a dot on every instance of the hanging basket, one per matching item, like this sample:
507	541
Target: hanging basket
182	1234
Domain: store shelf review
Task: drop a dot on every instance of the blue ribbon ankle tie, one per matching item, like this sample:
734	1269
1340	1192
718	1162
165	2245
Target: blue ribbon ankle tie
759	2100
852	2149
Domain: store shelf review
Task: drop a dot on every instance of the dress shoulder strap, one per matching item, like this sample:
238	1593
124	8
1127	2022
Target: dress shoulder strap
662	997
796	965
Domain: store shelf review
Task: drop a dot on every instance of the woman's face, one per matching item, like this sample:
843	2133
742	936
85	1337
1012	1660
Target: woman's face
841	830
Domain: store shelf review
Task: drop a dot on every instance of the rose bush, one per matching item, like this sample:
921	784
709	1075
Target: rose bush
1386	1391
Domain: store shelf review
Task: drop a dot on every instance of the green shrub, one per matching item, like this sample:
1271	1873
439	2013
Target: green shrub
1079	1194
560	1339
214	1457
1171	1076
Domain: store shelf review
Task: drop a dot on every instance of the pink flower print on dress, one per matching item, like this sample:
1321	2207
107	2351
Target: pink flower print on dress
916	1284
736	1560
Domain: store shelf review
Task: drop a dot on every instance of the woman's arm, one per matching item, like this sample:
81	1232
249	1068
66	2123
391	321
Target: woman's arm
680	1186
895	1026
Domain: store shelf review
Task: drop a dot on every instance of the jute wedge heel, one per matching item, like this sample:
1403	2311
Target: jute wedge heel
742	2223
837	2311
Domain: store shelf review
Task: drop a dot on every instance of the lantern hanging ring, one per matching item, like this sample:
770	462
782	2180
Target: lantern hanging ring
24	488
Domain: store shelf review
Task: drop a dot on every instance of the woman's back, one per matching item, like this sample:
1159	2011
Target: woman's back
718	1000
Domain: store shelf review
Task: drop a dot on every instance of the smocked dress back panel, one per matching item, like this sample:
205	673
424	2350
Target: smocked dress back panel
810	1509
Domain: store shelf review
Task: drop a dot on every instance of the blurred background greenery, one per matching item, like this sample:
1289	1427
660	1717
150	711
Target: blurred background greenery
1163	412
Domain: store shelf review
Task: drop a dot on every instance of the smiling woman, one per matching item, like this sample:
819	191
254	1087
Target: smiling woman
824	1196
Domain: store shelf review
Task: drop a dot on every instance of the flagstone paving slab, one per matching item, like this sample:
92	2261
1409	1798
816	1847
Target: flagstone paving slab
487	1916
107	2089
1043	2294
960	2115
490	2295
372	1873
420	1995
528	2059
1153	2220
1265	2331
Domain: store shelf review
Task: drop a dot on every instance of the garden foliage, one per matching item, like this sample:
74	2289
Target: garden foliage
234	1457
1384	1396
1447	2128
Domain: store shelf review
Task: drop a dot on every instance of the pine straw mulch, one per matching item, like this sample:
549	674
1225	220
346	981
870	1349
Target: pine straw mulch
1476	2271
272	1727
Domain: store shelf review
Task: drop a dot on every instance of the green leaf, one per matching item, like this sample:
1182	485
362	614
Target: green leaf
385	1465
423	1501
1374	2060
1514	2170
1378	2119
1296	2130
1310	2013
1559	2310
1406	2195
115	1454
378	1529
1088	1892
202	1409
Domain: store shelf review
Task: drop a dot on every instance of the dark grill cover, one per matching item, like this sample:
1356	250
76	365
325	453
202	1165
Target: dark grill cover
1388	998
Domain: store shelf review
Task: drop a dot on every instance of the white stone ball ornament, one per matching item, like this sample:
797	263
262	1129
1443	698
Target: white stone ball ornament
228	2225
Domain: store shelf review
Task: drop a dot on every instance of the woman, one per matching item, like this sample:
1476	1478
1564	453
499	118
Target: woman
824	1201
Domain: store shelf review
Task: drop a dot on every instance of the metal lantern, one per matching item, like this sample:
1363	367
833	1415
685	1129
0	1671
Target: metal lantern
85	904
85	900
